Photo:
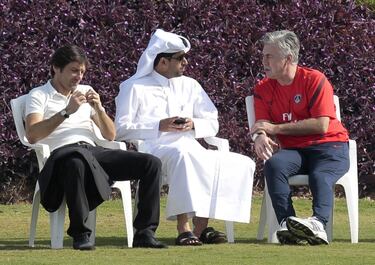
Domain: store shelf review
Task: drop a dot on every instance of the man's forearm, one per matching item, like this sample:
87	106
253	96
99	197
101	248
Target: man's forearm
37	129
105	124
304	127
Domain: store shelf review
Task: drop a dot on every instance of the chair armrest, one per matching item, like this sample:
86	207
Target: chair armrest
139	145
353	145
42	152
220	143
111	144
42	148
38	147
100	141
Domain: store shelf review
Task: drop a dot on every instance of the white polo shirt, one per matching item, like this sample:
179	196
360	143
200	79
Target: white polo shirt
78	127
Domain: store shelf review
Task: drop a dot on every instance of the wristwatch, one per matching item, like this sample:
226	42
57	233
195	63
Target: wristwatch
64	114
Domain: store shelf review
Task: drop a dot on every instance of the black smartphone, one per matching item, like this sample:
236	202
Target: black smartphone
179	121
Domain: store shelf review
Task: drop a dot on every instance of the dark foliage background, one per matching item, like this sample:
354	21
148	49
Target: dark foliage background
337	38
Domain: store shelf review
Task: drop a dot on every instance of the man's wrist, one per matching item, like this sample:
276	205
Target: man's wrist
254	136
100	109
64	114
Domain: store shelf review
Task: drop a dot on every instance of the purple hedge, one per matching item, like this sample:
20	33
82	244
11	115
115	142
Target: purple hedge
337	38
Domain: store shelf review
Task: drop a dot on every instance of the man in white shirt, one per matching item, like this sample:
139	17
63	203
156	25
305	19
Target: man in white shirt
168	111
61	114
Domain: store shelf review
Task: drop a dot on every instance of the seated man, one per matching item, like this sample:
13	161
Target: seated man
295	105
168	111
60	114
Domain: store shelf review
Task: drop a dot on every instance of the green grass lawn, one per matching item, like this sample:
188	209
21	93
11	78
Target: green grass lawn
111	242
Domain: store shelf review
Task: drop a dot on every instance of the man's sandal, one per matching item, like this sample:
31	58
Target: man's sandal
188	239
211	236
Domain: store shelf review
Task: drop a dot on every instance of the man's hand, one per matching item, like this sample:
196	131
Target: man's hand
264	146
76	100
168	125
93	99
267	127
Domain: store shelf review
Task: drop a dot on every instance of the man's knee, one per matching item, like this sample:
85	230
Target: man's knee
273	167
323	179
72	170
73	162
153	162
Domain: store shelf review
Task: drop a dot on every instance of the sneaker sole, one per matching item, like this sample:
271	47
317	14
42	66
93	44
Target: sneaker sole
287	238
303	232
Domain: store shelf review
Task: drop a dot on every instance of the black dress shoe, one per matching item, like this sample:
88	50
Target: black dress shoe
82	242
146	239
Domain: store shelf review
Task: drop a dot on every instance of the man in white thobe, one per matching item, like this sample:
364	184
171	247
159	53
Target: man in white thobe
168	111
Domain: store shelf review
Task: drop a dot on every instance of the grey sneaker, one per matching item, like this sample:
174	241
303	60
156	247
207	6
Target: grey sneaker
310	229
285	237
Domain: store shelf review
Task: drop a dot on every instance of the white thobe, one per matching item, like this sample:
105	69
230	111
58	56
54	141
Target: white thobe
202	182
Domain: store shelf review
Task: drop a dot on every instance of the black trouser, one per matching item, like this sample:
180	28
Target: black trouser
119	165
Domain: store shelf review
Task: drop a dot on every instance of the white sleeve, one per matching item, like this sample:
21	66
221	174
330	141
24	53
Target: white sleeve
127	125
35	102
205	115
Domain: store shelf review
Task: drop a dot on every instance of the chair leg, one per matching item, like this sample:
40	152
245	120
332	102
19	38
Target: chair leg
230	231
351	194
136	199
262	219
273	225
57	219
352	202
91	223
125	190
34	217
329	226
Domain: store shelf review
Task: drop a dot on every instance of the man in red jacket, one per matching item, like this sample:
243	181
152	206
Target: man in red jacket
294	110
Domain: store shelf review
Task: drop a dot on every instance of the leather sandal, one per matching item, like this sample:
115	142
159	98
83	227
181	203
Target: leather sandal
188	239
210	236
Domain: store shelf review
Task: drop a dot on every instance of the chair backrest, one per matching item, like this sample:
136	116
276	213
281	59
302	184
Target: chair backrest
251	113
18	111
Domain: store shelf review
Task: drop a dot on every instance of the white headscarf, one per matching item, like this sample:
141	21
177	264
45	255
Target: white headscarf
160	42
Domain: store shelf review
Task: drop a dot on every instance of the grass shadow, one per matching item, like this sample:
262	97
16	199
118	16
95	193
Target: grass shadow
242	240
23	244
123	241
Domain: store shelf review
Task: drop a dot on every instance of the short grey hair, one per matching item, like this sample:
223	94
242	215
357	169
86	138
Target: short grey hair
286	40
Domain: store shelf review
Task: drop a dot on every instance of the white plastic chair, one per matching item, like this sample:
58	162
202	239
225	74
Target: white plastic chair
349	182
57	218
221	145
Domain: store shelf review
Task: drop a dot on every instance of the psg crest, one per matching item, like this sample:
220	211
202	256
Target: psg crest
297	98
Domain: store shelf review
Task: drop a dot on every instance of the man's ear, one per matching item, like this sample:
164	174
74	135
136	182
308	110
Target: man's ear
289	58
56	69
163	61
161	66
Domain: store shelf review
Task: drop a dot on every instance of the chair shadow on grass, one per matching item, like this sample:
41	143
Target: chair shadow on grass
23	244
42	244
242	240
121	242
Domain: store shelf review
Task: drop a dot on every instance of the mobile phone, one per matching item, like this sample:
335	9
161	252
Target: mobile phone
179	121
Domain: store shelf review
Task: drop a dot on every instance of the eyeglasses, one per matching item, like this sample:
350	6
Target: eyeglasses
178	58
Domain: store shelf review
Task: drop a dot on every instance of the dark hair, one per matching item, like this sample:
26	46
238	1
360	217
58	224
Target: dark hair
67	54
163	54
